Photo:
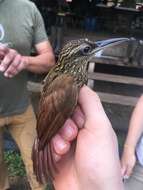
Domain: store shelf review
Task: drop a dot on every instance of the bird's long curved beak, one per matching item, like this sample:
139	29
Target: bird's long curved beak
103	44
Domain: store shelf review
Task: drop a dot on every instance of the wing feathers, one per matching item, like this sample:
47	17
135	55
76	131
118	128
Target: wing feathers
56	105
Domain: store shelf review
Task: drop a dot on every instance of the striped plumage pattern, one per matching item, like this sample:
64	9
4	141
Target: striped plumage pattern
58	101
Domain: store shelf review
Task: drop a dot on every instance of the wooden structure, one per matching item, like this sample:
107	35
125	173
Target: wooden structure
94	76
127	55
113	98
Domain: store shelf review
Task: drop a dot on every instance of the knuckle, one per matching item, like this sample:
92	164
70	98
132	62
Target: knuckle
15	62
9	57
5	63
18	56
13	68
13	51
11	72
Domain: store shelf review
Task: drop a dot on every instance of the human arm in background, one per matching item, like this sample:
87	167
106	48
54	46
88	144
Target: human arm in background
12	62
93	161
135	130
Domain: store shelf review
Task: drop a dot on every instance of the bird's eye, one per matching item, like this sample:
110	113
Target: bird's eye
86	50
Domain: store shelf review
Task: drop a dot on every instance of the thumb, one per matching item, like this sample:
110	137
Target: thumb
88	100
91	106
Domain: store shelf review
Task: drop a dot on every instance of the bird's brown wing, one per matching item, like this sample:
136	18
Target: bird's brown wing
56	105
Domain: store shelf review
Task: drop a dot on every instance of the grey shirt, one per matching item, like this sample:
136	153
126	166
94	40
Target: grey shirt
23	27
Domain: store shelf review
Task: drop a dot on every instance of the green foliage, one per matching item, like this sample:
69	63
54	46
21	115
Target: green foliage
14	163
49	187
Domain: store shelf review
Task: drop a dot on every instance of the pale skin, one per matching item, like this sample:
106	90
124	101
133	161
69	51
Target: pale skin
93	163
12	62
134	133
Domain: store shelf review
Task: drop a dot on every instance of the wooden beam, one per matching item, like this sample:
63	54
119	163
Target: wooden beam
116	61
116	78
34	87
117	99
91	68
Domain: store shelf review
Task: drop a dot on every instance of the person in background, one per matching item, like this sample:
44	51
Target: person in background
49	10
53	14
132	157
21	30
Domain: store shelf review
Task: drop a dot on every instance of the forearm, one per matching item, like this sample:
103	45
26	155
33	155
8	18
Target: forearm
136	125
40	63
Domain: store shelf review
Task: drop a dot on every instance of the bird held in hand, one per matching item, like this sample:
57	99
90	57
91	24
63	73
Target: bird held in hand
59	99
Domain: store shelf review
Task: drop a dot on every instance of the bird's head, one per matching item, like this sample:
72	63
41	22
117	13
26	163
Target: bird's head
76	52
80	51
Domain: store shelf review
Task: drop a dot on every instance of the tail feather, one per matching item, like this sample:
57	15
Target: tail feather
34	158
53	165
41	174
46	169
44	165
36	161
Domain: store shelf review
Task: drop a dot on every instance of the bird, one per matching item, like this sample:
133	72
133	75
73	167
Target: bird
59	97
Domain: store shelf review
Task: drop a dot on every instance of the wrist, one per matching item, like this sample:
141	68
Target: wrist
26	61
130	148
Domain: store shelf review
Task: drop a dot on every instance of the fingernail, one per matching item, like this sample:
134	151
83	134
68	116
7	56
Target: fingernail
126	177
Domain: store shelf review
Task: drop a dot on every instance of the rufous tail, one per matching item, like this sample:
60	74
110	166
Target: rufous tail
44	165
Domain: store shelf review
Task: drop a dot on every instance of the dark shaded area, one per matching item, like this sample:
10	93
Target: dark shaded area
120	89
9	144
19	183
113	69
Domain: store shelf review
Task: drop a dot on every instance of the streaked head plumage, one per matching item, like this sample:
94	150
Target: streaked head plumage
76	50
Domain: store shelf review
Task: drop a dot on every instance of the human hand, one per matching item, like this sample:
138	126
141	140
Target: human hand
62	141
11	62
128	161
86	164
